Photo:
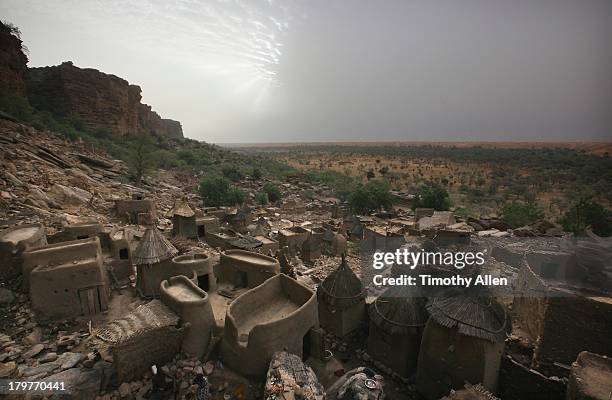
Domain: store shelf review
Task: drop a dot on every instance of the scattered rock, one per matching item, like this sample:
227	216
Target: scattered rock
7	369
49	357
69	195
34	351
124	390
69	360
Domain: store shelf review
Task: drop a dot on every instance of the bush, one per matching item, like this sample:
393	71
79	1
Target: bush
261	198
232	173
273	192
256	174
432	196
587	213
217	191
373	196
520	214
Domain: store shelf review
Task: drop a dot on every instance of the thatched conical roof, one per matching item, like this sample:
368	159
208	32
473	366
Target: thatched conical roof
477	315
181	209
153	248
342	288
399	310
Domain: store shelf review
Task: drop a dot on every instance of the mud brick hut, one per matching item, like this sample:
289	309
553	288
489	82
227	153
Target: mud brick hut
275	316
202	265
382	238
591	378
147	336
267	245
239	219
192	305
246	269
80	230
341	300
183	220
221	238
13	242
67	279
553	305
463	342
438	220
131	209
206	223
293	238
311	248
153	259
397	319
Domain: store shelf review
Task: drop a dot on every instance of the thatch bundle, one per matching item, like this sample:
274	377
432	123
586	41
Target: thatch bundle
399	310
181	209
153	248
342	288
479	316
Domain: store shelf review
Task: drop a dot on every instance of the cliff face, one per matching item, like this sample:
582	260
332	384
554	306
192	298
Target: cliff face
100	101
13	62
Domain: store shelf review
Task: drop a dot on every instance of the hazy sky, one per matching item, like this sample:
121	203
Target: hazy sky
266	71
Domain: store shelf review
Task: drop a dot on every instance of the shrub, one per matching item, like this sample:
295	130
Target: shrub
217	191
520	214
432	196
587	213
273	192
232	173
261	198
256	174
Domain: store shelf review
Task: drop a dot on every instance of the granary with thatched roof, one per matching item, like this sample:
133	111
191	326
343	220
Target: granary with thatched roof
397	319
341	299
153	259
183	220
463	342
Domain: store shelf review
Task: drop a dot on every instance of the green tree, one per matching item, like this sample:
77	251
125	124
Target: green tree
432	196
140	161
374	195
217	191
517	214
585	213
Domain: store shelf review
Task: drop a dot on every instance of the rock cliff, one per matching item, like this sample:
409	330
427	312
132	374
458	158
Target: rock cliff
13	61
100	101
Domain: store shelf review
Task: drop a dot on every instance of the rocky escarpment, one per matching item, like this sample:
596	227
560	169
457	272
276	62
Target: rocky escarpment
13	61
99	101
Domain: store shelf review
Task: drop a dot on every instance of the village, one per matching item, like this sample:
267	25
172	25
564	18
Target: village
125	292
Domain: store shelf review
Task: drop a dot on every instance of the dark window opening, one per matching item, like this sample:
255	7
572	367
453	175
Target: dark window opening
201	231
243	279
306	346
204	282
123	254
